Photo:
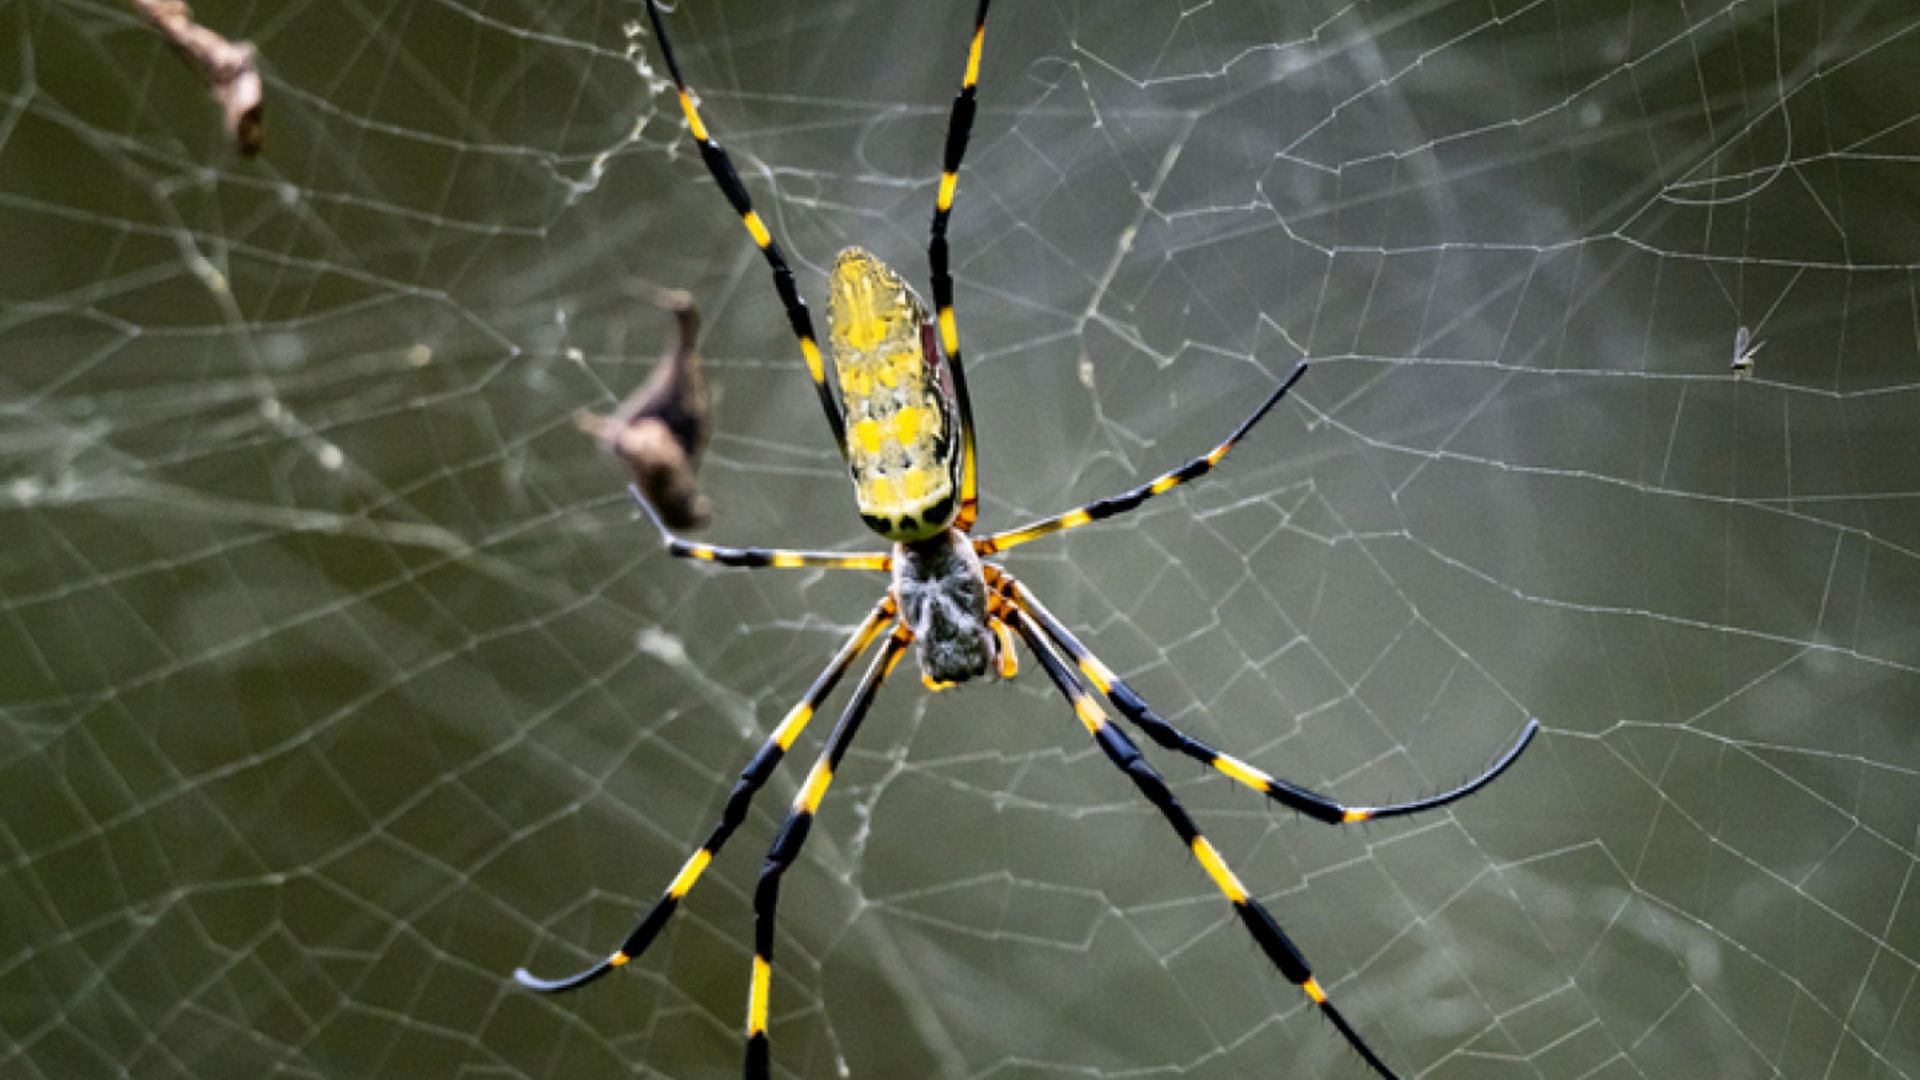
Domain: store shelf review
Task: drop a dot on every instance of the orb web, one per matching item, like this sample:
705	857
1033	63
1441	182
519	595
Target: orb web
338	678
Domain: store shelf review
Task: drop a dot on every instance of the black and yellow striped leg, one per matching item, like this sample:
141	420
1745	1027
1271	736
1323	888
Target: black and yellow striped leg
1311	803
1126	757
751	779
782	558
1115	505
786	847
724	174
959	129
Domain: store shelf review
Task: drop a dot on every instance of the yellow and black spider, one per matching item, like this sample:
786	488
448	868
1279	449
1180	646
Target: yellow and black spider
893	405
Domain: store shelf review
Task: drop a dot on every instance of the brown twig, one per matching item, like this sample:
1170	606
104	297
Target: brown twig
227	67
661	429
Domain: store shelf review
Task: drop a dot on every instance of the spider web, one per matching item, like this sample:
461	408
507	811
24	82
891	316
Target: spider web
339	680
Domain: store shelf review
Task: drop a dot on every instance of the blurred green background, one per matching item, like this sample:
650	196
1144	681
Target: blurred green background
337	678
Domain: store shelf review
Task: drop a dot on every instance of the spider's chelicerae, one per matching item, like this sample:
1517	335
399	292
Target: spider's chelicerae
898	407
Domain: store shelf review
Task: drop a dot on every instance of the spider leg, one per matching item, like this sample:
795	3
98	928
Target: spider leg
1006	663
786	847
724	174
1115	505
1311	803
1126	757
959	129
781	558
751	779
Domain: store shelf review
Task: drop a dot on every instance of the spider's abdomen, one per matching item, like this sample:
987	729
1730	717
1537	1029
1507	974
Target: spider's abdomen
897	400
943	599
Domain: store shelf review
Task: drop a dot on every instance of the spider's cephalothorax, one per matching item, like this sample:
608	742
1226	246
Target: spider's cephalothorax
896	398
942	595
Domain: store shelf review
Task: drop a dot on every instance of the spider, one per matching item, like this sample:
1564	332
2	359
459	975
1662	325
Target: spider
897	396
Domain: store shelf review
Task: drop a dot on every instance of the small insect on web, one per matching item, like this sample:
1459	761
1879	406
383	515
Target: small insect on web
660	431
898	409
1744	350
230	69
